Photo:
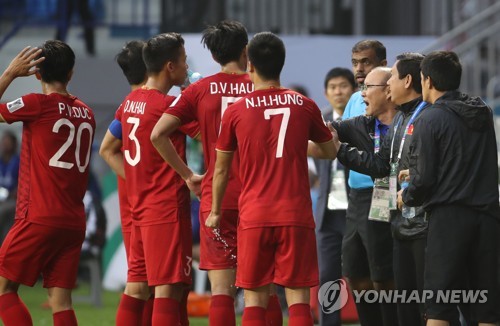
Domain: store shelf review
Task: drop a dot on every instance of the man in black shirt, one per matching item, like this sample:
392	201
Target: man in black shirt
454	176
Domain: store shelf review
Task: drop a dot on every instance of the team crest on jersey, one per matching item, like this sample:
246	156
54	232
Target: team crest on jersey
15	105
410	130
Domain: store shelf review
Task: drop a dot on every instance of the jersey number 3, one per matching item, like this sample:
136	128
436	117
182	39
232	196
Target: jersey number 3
135	124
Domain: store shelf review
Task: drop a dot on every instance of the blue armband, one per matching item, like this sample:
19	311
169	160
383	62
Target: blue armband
115	128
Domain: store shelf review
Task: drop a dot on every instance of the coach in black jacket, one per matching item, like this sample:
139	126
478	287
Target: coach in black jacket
367	245
409	233
454	176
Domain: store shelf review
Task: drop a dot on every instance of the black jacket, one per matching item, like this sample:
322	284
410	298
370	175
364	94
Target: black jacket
453	156
358	131
378	166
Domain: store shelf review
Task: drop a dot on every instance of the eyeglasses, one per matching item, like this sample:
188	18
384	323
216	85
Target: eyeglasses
365	87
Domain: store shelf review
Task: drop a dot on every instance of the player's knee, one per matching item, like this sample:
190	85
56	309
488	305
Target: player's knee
222	282
60	301
223	289
297	295
7	286
138	290
174	291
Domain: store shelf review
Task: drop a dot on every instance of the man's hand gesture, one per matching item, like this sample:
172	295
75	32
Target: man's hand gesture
22	65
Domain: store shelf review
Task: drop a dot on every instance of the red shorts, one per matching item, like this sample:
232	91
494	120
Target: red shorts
33	249
163	252
285	255
126	242
218	250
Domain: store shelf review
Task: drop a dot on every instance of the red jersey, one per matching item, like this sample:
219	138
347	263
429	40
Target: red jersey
271	128
125	210
58	132
152	185
206	101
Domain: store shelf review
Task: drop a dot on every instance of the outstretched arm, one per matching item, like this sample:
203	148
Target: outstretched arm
161	141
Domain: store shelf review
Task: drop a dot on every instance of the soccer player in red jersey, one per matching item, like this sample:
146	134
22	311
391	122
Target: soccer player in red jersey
130	61
49	227
132	65
270	128
206	101
159	198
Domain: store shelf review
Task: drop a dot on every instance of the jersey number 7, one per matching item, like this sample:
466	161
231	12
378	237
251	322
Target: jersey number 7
284	125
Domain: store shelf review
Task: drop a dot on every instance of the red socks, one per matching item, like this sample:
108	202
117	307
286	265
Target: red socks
183	309
254	316
300	315
147	311
166	312
222	311
65	318
13	311
129	311
274	315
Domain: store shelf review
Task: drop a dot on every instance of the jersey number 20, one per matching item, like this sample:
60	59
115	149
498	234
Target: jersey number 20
55	161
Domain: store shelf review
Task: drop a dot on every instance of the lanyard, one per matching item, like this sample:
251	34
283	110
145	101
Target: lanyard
417	111
376	138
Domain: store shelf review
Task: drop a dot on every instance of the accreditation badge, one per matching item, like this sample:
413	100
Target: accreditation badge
379	209
393	186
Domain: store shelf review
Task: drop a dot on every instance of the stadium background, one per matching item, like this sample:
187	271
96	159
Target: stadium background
318	35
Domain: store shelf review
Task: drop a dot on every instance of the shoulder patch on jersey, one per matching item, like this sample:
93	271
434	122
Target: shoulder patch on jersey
15	105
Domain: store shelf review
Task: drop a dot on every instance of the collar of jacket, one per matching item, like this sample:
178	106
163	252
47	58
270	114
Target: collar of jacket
409	107
370	123
450	96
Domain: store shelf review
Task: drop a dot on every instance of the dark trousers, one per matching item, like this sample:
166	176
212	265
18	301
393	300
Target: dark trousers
65	11
462	252
409	258
329	241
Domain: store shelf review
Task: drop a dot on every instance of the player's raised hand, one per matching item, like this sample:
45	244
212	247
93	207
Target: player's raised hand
22	65
213	220
194	184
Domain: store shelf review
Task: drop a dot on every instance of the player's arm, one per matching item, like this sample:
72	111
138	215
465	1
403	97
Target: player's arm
221	177
326	150
161	141
111	148
20	66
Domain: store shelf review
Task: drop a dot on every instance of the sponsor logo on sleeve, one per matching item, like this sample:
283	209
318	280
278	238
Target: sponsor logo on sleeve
15	105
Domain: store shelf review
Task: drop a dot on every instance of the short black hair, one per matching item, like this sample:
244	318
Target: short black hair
59	62
377	46
266	52
130	61
340	72
161	49
408	63
226	40
444	69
